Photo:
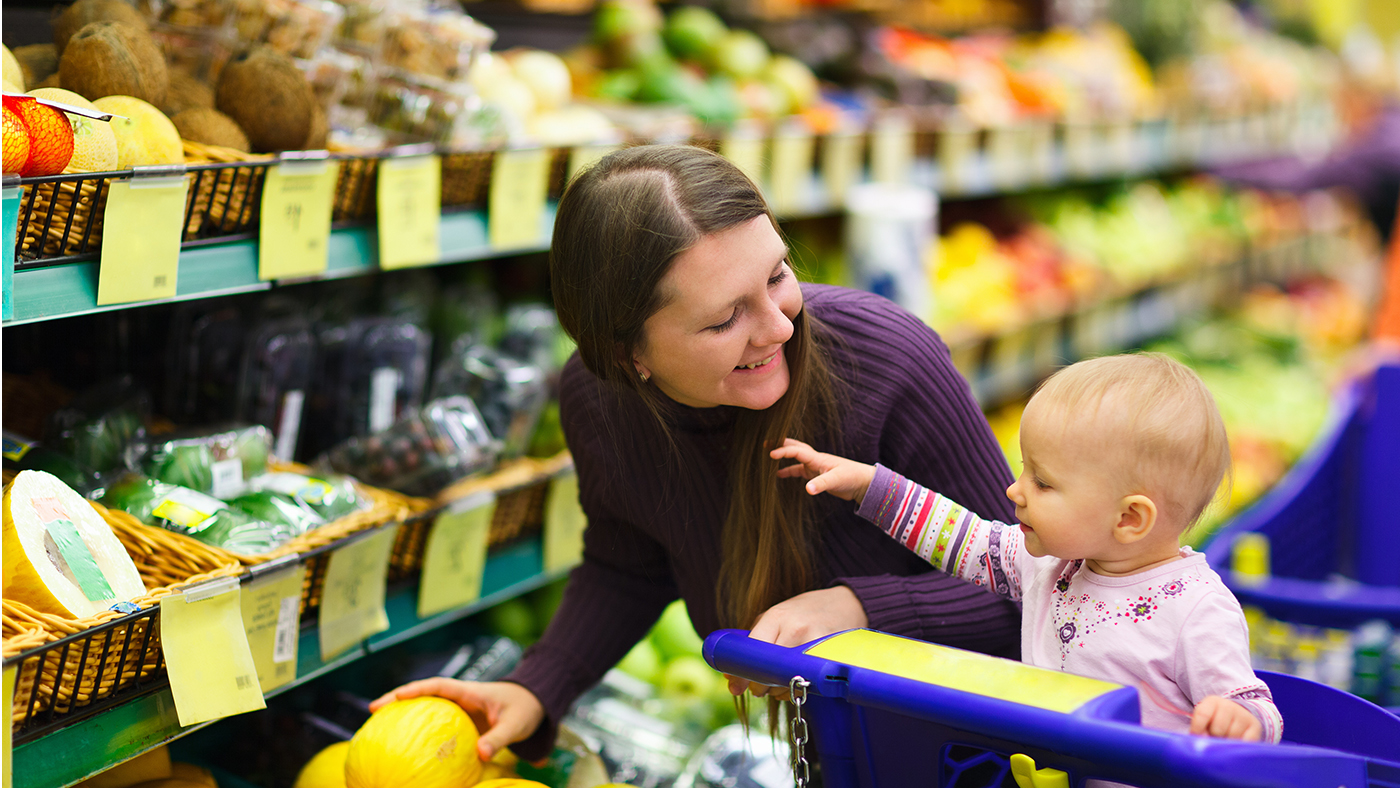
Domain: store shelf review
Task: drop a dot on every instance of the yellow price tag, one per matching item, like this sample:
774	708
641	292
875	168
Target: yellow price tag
892	151
519	185
744	147
1009	357
455	556
7	696
295	226
409	192
792	169
1008	152
587	155
956	147
211	669
272	619
142	226
564	522
1081	152
840	165
1042	150
1120	143
352	599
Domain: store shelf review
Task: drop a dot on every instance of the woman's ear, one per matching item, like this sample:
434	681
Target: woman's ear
1137	514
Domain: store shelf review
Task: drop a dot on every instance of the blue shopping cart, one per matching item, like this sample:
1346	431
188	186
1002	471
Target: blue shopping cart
1331	524
890	712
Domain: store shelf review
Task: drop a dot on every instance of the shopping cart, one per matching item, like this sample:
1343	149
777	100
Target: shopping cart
889	712
1331	524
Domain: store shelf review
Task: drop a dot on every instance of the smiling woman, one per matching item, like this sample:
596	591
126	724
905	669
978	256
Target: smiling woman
698	349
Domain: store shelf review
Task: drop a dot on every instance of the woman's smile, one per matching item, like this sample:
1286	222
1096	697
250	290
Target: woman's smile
760	366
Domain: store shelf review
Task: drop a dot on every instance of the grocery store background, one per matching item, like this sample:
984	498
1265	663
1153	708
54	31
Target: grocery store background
1040	180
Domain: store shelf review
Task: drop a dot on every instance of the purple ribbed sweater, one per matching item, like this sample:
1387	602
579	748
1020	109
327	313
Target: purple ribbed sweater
654	522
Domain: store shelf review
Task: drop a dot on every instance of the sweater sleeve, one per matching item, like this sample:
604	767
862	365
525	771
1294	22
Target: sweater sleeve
930	428
1212	658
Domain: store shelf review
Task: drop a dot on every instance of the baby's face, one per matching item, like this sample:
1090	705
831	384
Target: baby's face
1067	496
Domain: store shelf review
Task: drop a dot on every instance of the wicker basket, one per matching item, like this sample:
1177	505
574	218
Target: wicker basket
355	193
222	200
466	179
62	218
120	649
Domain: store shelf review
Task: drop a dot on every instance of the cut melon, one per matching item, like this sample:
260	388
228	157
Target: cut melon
60	556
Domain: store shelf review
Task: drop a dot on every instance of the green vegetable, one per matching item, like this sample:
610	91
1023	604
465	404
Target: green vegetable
277	510
330	498
186	466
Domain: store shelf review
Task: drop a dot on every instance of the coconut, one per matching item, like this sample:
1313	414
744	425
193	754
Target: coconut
51	81
84	12
320	130
114	59
211	127
186	91
38	61
269	97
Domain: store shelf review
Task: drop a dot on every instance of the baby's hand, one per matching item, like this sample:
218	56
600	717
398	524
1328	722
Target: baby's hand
839	476
1224	719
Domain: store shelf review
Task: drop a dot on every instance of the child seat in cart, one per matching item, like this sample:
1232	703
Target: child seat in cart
885	711
1331	524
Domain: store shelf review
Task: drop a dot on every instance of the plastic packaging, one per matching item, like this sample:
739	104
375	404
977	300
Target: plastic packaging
344	84
413	109
437	43
23	454
215	463
298	28
422	453
196	515
200	52
189	14
532	335
370	373
95	428
510	394
278	510
275	380
330	497
637	747
733	757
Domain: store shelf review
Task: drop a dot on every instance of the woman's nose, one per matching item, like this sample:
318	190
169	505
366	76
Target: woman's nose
776	326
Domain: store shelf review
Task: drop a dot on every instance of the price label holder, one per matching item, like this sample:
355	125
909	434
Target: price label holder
211	669
142	226
272	619
1040	139
519	186
409	195
743	146
793	149
1120	146
1081	156
564	522
1008	153
352	598
294	230
892	149
585	156
840	164
12	196
957	147
7	696
454	558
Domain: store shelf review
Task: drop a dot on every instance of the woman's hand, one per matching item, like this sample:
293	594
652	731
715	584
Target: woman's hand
799	620
504	713
843	478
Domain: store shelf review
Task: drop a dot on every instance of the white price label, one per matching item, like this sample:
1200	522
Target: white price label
228	478
383	392
284	647
289	426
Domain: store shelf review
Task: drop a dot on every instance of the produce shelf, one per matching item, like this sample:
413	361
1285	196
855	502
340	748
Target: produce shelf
78	751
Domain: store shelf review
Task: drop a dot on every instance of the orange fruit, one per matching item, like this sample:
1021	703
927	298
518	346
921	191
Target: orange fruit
50	137
16	141
94	142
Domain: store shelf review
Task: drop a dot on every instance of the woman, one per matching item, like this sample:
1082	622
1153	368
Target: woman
698	349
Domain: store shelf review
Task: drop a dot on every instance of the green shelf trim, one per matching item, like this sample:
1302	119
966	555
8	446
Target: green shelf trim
78	751
228	268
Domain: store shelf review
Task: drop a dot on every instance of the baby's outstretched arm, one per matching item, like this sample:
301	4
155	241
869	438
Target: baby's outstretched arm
1224	719
843	478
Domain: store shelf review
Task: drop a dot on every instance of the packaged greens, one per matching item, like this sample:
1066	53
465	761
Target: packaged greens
215	463
278	510
276	377
510	393
23	454
196	515
330	497
95	429
423	453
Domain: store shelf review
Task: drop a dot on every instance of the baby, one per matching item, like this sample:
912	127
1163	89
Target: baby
1121	455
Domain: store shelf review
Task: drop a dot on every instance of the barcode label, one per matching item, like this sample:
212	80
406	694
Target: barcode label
284	647
228	478
383	391
243	682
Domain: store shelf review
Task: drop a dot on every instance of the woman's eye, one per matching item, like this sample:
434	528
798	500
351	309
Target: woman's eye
726	325
778	277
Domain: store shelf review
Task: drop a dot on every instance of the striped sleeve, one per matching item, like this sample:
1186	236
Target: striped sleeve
945	534
1260	703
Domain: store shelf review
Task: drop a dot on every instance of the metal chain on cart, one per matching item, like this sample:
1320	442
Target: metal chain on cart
797	688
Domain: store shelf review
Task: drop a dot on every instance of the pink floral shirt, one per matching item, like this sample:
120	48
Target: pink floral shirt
1175	631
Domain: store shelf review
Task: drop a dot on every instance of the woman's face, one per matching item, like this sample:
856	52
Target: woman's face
730	302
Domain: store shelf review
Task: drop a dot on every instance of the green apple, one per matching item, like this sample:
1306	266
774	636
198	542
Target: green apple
741	54
688	679
674	636
693	32
515	619
642	662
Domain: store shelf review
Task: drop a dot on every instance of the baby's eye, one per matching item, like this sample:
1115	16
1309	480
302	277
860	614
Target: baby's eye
1041	485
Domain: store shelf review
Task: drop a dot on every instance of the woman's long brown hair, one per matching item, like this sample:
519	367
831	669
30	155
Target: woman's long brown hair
621	225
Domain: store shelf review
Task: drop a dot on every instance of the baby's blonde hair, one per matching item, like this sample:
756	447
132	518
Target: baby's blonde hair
1165	418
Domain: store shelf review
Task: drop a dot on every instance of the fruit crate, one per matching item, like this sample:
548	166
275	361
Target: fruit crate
885	711
1332	535
61	216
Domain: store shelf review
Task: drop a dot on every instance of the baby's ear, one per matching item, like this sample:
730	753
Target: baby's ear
1137	514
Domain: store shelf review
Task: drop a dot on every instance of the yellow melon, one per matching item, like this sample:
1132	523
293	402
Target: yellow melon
326	769
144	134
511	782
425	742
10	72
94	141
